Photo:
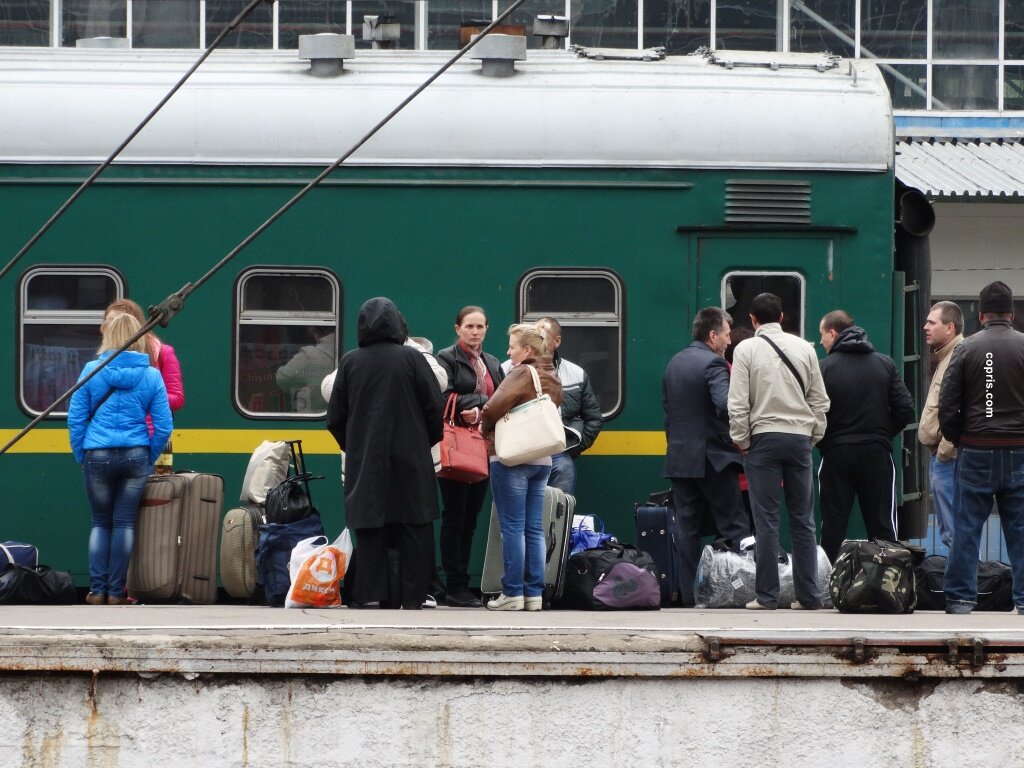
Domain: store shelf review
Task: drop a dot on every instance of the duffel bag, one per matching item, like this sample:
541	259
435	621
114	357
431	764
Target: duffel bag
288	502
612	577
995	585
274	550
41	585
17	553
873	577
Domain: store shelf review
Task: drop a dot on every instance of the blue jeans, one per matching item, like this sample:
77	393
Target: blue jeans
563	473
519	497
941	475
981	477
114	481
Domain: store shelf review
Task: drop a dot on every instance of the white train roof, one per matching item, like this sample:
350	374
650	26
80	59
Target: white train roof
257	108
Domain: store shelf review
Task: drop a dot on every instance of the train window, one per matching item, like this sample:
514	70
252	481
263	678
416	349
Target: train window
61	309
588	304
286	340
739	289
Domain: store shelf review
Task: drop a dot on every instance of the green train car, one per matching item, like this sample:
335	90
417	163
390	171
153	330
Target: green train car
617	195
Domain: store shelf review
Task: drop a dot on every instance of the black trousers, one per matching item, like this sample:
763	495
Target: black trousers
864	471
415	547
462	503
717	494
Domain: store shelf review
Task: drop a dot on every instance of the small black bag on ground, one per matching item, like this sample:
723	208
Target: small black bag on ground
612	577
41	585
873	577
289	502
995	585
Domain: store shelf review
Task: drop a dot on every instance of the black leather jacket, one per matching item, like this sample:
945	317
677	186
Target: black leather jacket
981	402
462	376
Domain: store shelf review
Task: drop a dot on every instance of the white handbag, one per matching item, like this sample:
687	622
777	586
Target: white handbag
529	431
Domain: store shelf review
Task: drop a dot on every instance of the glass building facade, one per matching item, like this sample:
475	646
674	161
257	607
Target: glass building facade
945	55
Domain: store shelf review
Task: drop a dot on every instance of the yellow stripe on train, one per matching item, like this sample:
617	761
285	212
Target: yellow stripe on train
314	441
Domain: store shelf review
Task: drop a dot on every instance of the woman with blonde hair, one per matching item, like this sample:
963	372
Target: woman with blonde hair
161	355
110	438
519	490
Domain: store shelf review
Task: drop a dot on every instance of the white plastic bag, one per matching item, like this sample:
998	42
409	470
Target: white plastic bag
316	569
268	466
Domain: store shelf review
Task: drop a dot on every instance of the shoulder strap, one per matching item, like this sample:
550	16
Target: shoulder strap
799	378
100	403
536	380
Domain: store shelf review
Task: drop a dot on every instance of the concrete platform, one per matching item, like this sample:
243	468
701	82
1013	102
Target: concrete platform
224	685
234	639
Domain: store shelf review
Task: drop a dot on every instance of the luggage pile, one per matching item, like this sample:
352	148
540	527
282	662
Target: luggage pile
23	581
725	579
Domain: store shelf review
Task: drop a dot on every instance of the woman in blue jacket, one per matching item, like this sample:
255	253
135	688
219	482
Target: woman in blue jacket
111	440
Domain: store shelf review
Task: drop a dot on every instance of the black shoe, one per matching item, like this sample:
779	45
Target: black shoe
463	598
374	604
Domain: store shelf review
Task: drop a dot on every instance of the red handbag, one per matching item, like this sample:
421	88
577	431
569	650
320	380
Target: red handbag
463	450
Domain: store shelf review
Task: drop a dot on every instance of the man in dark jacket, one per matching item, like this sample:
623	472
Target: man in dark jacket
981	411
702	460
385	412
870	406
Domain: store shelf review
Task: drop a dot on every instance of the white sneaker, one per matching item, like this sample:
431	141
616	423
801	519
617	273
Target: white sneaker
534	603
430	602
505	603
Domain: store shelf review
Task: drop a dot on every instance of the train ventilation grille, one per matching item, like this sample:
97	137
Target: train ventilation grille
767	202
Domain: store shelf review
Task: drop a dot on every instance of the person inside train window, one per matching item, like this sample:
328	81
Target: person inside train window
519	490
385	412
581	413
301	376
473	375
118	423
162	357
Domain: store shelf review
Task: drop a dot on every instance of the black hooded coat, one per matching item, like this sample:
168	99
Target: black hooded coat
385	413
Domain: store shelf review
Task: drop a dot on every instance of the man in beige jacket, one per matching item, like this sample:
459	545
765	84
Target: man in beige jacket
777	407
943	331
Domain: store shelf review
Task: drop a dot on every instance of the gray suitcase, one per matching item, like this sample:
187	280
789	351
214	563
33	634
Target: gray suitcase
559	508
238	538
175	554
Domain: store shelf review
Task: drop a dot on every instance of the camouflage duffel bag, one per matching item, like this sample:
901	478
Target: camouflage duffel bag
873	577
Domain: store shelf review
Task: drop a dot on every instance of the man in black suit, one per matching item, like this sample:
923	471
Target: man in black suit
701	460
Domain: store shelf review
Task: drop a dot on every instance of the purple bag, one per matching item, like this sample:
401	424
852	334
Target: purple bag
611	578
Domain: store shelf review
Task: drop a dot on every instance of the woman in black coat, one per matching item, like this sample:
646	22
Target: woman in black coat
385	413
473	375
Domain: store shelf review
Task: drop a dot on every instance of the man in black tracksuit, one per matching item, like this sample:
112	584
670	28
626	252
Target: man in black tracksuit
870	406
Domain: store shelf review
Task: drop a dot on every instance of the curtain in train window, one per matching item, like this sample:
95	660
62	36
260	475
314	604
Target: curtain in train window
286	341
588	306
61	312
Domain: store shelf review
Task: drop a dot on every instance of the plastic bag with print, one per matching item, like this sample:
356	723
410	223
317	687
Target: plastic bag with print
316	569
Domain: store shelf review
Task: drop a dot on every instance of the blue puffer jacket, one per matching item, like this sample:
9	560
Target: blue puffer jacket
120	422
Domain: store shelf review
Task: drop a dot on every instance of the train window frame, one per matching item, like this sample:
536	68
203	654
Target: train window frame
616	317
64	316
242	316
800	278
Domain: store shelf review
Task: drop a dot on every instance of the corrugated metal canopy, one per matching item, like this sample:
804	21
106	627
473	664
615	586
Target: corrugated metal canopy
962	167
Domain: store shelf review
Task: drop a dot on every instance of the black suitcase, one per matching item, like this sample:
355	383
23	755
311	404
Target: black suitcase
658	534
995	585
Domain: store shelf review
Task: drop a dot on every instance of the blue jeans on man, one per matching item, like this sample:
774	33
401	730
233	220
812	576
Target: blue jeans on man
984	476
519	498
563	473
115	479
941	475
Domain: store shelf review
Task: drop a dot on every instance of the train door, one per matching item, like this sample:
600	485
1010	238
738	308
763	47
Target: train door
731	270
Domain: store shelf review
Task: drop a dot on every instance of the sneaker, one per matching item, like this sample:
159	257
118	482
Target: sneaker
798	606
430	602
95	598
534	603
505	603
753	605
959	608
